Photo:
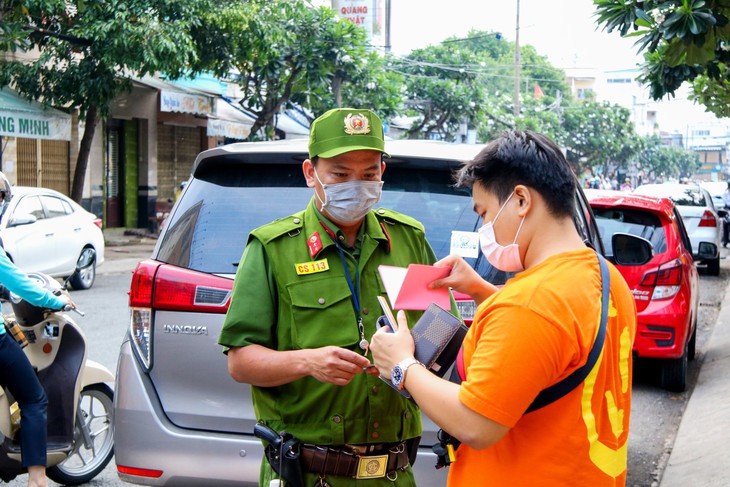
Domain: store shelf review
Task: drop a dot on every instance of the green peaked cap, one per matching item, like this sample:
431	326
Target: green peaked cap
343	130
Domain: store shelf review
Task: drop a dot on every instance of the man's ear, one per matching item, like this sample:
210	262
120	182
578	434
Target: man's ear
308	170
524	198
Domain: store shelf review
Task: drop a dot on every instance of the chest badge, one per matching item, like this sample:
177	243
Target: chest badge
312	267
315	244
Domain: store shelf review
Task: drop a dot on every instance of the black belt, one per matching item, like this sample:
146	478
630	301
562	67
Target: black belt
344	461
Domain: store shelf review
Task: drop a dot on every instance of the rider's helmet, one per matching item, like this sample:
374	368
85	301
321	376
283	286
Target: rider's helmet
5	192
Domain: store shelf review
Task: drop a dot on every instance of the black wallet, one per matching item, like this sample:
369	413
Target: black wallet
438	335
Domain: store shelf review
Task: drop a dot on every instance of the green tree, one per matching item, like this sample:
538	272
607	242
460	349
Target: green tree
442	89
667	162
86	51
289	53
683	40
598	134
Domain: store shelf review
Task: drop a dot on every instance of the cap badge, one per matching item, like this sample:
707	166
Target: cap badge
356	124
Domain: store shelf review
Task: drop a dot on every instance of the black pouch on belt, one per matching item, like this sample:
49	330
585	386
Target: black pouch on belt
282	453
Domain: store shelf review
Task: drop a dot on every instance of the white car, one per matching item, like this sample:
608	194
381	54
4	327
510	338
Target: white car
700	217
44	231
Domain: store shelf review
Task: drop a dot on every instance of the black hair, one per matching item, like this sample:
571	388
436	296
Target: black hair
527	158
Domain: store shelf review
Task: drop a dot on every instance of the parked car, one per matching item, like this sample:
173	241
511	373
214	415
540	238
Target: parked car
666	289
179	416
44	231
700	217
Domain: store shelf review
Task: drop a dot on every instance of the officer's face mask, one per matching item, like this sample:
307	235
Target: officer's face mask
503	257
349	201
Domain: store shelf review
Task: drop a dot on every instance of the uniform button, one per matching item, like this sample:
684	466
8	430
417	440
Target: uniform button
376	435
321	301
376	425
408	414
341	238
297	221
375	389
381	211
337	419
365	311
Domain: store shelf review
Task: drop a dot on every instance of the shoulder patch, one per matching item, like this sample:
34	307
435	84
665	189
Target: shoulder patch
277	228
389	216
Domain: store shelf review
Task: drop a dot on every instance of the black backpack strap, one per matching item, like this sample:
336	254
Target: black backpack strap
556	391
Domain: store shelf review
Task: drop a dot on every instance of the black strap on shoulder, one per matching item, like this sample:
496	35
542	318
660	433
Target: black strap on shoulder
556	391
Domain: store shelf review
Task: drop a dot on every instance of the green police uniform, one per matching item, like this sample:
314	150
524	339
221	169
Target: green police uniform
291	292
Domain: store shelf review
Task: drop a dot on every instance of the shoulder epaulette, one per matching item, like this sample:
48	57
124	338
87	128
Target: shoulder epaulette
390	216
277	228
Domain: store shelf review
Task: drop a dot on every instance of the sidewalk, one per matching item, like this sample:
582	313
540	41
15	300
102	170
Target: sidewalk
700	450
124	249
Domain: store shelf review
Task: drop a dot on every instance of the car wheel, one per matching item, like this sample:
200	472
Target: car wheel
692	346
713	267
674	373
84	277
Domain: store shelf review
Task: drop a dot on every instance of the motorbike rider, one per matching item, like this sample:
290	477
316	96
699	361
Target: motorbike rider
16	372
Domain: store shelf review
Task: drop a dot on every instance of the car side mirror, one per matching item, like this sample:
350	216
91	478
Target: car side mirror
22	219
630	249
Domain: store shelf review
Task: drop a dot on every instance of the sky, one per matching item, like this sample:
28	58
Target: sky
563	30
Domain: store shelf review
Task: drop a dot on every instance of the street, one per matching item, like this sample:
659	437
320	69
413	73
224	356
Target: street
656	413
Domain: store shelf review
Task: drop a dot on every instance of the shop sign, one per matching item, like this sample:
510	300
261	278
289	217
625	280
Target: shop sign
34	126
173	101
231	130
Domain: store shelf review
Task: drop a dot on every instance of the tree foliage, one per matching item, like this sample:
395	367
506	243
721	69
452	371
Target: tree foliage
87	50
288	53
667	162
683	40
599	134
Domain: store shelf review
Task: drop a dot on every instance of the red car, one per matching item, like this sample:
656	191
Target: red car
666	289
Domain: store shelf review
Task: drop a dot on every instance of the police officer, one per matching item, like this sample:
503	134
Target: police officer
304	306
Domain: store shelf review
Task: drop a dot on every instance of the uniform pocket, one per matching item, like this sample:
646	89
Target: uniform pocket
323	314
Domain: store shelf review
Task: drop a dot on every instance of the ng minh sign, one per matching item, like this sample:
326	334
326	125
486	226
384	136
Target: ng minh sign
32	126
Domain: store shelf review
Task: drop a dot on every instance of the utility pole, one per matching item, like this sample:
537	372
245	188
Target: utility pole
516	101
387	27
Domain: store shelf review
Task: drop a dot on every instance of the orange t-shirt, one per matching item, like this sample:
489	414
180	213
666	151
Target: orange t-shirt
534	332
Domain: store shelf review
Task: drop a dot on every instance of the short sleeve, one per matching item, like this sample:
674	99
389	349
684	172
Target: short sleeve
251	316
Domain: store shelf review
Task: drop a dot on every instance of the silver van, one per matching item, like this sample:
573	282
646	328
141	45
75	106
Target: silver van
179	417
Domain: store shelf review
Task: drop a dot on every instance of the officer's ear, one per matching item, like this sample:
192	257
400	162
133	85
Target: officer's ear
308	170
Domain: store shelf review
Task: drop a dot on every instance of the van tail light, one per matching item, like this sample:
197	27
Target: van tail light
165	287
139	472
708	219
140	305
666	280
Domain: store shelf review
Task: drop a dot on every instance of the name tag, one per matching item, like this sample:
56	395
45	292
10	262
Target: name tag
312	267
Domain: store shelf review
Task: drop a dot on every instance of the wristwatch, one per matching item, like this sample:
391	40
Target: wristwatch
398	374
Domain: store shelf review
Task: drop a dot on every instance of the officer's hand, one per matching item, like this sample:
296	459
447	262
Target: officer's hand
464	279
335	365
389	348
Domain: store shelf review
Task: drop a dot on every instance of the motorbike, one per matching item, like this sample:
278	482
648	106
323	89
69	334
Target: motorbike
80	403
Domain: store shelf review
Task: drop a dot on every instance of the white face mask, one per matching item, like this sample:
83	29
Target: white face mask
503	257
349	201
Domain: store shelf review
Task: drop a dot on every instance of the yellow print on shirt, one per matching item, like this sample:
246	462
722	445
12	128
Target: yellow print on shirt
312	267
611	462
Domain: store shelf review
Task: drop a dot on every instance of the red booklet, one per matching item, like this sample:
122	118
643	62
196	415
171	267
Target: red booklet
407	288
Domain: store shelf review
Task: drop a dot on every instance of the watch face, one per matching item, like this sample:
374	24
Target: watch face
397	375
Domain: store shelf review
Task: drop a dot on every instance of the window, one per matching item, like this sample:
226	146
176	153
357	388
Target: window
55	206
30	205
635	222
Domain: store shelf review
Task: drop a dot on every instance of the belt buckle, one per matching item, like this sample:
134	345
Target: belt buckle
372	467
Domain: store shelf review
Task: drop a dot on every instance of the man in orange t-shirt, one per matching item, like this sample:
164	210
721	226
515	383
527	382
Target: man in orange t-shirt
534	332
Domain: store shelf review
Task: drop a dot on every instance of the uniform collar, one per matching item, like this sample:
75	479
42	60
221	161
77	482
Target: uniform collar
319	234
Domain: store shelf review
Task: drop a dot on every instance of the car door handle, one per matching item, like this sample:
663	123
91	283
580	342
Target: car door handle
49	235
77	229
